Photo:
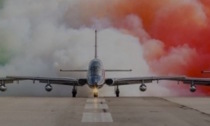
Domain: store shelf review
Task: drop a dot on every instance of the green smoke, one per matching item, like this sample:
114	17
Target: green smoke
4	56
5	53
1	3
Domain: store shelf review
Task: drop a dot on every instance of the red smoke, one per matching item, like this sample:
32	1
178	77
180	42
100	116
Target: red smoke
177	24
180	30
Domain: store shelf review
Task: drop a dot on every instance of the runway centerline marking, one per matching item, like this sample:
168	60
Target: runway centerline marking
96	106
93	100
96	110
96	117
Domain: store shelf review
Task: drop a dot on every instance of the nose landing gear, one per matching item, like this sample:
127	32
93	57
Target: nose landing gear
95	92
95	95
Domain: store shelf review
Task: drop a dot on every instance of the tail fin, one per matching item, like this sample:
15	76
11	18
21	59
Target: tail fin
96	46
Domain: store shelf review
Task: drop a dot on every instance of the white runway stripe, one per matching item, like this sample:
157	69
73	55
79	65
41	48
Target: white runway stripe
96	106
97	117
96	110
94	100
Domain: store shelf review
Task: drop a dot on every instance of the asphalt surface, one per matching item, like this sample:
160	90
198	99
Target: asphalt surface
133	111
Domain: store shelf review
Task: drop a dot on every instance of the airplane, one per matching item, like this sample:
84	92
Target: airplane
96	78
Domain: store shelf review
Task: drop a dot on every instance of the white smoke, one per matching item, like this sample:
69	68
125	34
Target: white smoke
38	40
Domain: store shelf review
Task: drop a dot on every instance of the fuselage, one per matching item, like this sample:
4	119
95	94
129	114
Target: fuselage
95	74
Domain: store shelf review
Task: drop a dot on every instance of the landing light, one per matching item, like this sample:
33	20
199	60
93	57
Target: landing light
95	90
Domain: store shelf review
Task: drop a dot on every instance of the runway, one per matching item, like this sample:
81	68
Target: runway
123	111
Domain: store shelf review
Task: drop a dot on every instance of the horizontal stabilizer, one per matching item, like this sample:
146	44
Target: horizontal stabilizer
73	70
129	70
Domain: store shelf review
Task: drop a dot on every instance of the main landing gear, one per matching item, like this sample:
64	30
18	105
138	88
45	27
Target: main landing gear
74	92
117	91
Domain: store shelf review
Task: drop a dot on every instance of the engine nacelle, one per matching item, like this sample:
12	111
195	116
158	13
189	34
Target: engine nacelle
82	81
192	88
48	87
143	87
109	81
3	87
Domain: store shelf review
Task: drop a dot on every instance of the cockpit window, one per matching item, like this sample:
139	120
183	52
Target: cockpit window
96	64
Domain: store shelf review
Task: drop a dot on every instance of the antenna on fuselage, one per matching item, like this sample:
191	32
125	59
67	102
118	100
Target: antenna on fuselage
96	44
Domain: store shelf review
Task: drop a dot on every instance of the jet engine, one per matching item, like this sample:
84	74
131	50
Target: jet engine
82	81
3	87
192	88
48	87
109	81
143	87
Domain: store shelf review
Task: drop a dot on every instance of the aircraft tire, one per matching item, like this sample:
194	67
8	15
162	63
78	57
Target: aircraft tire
117	93
95	95
74	94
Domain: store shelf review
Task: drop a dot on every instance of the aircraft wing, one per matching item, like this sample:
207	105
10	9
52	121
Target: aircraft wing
49	80
6	80
196	81
136	80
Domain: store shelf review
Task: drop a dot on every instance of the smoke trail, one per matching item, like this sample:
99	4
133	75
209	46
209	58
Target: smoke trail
36	41
40	37
1	3
175	24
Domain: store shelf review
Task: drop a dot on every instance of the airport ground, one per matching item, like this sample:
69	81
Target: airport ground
105	111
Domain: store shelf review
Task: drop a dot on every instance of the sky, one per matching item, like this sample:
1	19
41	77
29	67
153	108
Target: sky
152	37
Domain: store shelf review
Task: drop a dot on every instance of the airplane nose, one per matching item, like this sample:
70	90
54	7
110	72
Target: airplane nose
95	81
